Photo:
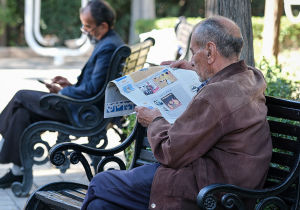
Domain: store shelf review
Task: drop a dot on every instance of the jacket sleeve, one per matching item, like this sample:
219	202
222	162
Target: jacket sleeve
194	133
98	77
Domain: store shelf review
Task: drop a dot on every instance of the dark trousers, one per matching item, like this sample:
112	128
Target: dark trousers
119	190
20	112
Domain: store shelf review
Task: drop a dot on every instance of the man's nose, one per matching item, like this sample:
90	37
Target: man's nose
192	63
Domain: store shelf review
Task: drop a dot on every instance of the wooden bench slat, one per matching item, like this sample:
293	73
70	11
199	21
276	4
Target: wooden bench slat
133	56
55	199
147	155
285	144
283	159
73	194
146	142
133	64
277	173
284	128
82	191
283	112
142	45
140	162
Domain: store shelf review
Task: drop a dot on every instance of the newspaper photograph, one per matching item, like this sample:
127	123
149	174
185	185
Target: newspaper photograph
168	89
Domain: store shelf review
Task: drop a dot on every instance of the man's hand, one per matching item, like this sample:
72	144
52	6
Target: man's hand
53	88
145	115
182	64
63	82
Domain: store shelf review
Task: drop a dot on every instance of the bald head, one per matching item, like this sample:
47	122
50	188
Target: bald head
223	32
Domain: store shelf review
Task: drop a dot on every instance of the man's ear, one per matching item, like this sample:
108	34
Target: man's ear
104	26
211	52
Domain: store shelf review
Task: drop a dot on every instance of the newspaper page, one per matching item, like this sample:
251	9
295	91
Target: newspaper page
168	89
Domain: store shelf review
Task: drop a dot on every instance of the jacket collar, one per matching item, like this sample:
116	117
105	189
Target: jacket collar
109	33
228	71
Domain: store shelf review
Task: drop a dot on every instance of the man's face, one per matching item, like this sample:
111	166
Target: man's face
89	24
199	61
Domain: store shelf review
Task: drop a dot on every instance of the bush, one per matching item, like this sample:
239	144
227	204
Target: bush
277	83
62	18
130	120
57	18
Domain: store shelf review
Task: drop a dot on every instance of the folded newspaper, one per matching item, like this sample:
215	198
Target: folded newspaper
168	89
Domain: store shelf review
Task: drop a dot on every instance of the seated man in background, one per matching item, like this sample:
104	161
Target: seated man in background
97	19
222	137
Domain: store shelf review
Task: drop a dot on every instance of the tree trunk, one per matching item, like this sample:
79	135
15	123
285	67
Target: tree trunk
144	9
273	13
3	39
211	8
240	12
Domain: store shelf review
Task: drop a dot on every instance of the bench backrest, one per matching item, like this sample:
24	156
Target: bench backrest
285	131
127	59
183	32
138	56
285	137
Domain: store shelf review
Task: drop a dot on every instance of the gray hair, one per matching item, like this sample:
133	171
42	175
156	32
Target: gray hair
212	30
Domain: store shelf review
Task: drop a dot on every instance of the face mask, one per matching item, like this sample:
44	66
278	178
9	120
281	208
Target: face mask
93	40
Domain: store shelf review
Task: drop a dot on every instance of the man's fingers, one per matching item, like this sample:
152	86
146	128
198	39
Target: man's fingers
138	108
183	64
166	63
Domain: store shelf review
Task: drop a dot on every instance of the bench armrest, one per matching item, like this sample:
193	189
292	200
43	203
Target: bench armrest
61	100
88	115
207	201
58	158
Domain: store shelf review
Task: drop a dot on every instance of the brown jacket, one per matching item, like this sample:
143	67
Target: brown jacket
222	137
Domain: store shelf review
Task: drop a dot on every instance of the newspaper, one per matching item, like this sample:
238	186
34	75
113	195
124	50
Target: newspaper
168	89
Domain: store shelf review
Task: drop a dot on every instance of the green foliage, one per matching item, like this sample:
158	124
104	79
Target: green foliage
176	8
13	13
57	18
62	18
277	83
289	33
13	16
123	9
130	120
142	26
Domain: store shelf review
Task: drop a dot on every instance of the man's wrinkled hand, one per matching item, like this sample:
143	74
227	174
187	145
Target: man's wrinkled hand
182	64
53	88
145	115
62	81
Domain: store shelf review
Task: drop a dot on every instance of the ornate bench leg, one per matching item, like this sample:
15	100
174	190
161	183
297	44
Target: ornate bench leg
28	151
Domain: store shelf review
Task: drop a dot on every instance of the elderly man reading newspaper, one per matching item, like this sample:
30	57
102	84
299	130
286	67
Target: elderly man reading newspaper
221	137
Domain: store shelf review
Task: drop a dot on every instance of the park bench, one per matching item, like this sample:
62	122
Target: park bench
281	187
126	59
183	31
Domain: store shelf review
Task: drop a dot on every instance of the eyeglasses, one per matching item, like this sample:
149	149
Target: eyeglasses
87	32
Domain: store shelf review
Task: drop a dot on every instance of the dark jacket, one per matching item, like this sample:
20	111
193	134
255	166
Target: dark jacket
222	137
93	74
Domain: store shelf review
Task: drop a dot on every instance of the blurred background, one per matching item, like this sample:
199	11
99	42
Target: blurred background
59	23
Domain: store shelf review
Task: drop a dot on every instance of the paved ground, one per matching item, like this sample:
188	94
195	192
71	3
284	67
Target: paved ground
16	74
